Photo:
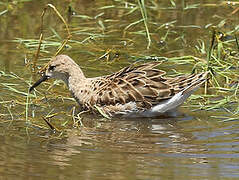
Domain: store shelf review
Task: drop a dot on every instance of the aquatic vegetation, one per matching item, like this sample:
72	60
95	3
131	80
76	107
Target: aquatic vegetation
115	35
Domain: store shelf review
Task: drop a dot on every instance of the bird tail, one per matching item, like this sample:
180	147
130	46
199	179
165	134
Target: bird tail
199	80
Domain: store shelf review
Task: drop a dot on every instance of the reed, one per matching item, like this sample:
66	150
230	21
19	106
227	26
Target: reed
143	11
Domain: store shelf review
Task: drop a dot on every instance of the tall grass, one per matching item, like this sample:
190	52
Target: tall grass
143	11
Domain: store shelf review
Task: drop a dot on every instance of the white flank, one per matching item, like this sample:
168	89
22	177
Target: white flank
171	103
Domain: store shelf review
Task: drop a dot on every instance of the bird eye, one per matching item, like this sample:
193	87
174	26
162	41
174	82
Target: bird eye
51	68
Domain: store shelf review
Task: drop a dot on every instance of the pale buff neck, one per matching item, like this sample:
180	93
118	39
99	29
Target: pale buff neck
77	84
76	77
76	72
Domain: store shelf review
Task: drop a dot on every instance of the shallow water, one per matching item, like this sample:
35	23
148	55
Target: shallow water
192	145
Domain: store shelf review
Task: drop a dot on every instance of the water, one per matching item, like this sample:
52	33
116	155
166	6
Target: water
190	146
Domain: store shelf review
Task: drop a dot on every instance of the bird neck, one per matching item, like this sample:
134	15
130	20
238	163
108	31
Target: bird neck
75	72
76	77
77	84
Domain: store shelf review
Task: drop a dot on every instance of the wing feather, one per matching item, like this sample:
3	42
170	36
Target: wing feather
143	84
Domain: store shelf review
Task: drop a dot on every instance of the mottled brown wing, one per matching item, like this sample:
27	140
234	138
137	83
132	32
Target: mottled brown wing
142	83
187	83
